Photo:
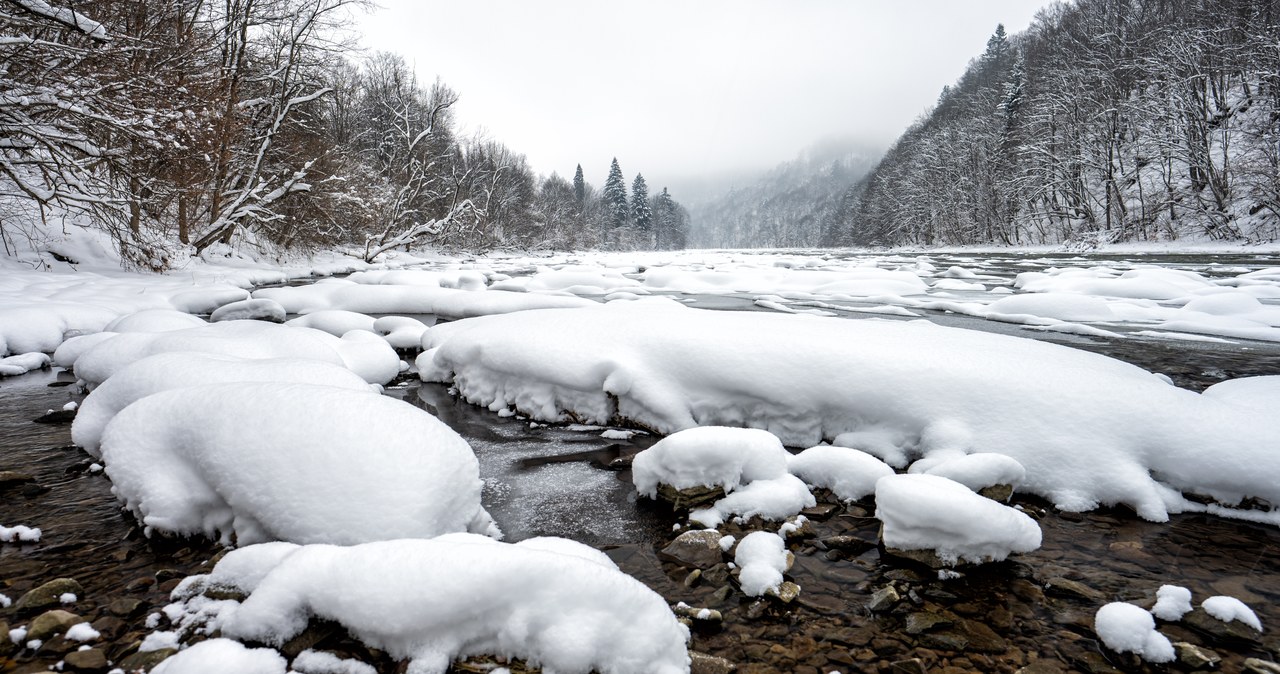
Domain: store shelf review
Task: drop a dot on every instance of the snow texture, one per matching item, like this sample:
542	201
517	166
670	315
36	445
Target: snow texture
1172	602
709	456
320	662
13	366
180	369
1227	609
254	309
1126	628
454	596
762	559
774	499
295	462
906	388
19	533
975	471
927	512
849	474
218	656
81	632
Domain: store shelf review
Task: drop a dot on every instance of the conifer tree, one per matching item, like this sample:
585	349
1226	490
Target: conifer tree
641	213
615	197
579	187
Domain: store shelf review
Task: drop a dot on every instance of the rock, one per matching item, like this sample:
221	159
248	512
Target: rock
883	599
912	666
1234	632
997	492
693	577
50	623
145	661
1042	667
1027	591
965	635
56	417
110	627
6	644
691	497
8	478
819	512
852	544
1065	587
48	595
92	660
701	663
787	592
716	575
699	549
850	636
1256	666
125	608
757	609
918	623
706	616
928	558
317	630
1195	657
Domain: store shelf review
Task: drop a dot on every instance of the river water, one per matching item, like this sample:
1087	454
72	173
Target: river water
555	480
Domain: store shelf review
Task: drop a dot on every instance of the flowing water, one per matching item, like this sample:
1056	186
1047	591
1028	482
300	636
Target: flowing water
1035	612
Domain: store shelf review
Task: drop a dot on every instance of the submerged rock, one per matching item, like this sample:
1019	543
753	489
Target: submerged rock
691	497
48	595
699	549
1196	657
884	599
50	623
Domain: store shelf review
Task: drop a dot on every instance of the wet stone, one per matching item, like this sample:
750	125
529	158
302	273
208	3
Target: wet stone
125	608
928	558
997	492
92	660
912	666
1257	666
146	661
917	623
787	592
701	663
1065	587
1042	667
9	478
48	595
1196	657
50	623
884	599
1234	632
691	497
819	512
699	549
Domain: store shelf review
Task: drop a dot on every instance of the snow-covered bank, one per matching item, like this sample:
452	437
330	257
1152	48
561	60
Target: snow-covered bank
1089	430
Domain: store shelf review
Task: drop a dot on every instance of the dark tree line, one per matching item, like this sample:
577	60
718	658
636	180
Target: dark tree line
184	125
1107	120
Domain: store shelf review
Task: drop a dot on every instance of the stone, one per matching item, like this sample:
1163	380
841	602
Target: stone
1027	591
6	644
699	549
965	635
850	543
1234	632
8	478
1196	657
850	636
928	558
705	616
56	417
125	608
145	661
917	623
92	660
1257	666
997	492
110	627
50	623
691	497
786	592
912	666
884	599
1065	587
1042	667
693	577
701	663
48	595
819	512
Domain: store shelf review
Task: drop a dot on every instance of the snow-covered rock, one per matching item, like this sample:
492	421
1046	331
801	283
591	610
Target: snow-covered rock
295	462
218	656
179	369
848	473
249	310
1089	430
1126	628
976	471
709	456
23	363
762	559
1172	602
154	320
431	601
1227	609
927	512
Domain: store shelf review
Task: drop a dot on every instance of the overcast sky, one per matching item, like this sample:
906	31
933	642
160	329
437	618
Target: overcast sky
686	89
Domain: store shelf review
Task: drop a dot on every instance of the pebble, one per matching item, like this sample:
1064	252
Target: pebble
699	549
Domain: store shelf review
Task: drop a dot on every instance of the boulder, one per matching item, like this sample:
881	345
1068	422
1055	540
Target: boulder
48	595
699	549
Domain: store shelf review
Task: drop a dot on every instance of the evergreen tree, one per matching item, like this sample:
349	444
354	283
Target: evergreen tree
997	44
641	213
615	197
579	187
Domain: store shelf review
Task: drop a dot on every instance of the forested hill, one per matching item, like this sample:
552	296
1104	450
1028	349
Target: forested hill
176	126
796	204
1107	120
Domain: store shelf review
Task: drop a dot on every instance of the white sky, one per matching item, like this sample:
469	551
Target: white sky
687	90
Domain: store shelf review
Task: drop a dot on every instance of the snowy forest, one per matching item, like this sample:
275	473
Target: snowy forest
1106	121
177	125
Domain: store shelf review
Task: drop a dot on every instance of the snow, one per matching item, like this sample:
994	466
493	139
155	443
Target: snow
401	332
408	299
19	533
927	512
1126	628
772	499
1172	602
179	369
1259	393
1227	609
216	656
5	601
975	471
454	596
81	632
320	662
154	320
709	456
23	363
255	309
67	598
762	559
334	321
898	390
228	460
850	474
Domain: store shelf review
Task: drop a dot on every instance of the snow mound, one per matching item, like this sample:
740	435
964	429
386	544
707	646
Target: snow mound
154	320
1172	602
1259	393
709	456
1062	306
228	460
401	332
976	471
180	369
66	354
334	321
927	512
320	662
432	601
23	363
1126	628
902	389
409	299
1227	609
218	656
249	310
849	474
762	558
19	533
772	499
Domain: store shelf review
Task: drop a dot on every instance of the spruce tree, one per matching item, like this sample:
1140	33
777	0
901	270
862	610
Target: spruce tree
615	197
641	213
579	187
